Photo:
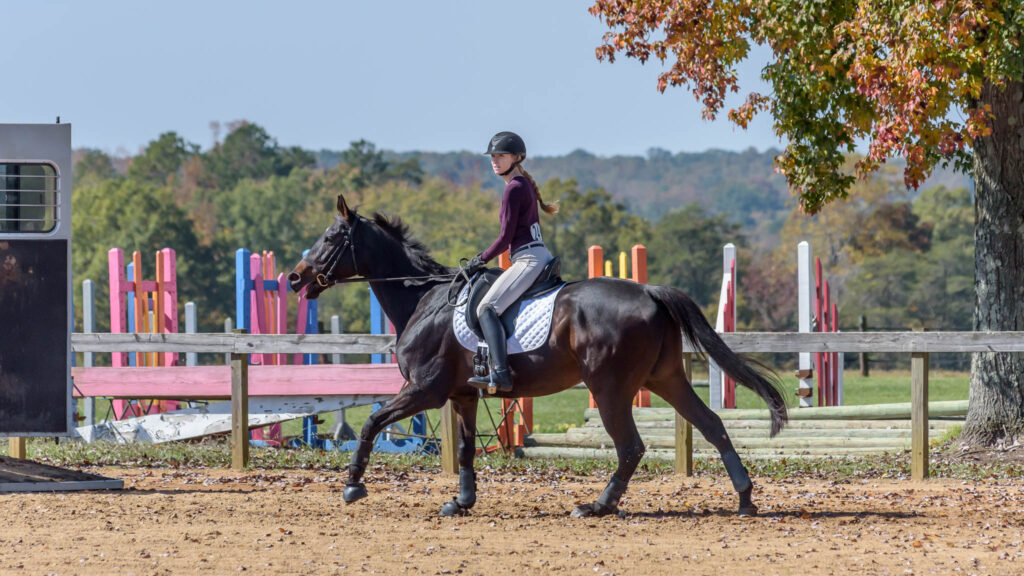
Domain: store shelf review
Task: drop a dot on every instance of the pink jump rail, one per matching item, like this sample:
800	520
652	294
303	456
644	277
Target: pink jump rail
214	382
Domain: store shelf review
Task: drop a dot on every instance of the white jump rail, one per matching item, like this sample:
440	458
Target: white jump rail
918	344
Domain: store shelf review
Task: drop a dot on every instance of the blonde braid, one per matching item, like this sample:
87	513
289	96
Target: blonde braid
548	208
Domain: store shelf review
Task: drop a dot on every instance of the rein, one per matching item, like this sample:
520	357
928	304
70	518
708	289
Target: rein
391	279
323	278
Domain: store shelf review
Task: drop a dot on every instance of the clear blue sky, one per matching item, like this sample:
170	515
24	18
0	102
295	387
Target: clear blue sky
438	75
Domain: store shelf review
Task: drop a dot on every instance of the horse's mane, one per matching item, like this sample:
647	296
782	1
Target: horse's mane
418	254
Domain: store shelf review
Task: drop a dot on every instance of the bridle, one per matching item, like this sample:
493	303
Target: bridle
323	279
334	258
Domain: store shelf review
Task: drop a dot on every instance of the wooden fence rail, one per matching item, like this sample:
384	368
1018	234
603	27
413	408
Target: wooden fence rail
918	344
781	342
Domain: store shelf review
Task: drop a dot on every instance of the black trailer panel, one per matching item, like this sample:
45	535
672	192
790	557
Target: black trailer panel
33	347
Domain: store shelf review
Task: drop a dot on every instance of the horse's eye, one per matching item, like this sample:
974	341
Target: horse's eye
336	236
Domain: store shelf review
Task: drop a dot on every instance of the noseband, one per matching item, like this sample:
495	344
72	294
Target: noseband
334	258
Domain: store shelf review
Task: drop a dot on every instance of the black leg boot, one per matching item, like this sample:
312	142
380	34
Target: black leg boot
494	333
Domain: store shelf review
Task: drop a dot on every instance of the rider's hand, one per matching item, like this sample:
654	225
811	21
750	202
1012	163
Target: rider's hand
474	265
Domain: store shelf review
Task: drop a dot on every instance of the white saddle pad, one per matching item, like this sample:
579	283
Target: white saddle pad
532	325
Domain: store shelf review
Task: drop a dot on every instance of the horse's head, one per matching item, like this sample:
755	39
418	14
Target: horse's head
332	257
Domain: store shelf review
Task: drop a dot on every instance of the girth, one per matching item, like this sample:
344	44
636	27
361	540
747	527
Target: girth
549	279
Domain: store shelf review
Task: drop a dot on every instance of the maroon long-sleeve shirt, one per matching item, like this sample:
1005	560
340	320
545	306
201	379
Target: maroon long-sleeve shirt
520	222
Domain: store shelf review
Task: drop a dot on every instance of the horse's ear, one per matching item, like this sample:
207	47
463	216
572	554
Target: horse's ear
342	207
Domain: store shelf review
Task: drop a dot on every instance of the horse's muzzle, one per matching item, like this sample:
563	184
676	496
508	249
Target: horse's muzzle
300	276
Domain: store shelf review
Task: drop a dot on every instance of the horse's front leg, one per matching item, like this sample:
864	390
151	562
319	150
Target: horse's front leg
411	400
466	407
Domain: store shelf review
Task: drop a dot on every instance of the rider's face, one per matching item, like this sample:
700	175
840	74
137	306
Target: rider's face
500	163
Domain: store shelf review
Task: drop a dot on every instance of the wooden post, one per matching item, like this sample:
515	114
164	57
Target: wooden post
684	430
239	410
919	415
16	447
862	325
449	439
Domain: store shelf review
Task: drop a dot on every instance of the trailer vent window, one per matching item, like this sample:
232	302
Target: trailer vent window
29	197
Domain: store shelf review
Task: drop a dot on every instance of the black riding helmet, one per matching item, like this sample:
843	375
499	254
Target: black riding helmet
506	143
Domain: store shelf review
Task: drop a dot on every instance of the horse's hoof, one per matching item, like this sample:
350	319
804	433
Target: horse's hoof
749	510
582	512
593	510
747	507
452	508
354	492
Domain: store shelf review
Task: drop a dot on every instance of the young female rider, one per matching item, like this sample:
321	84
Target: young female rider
520	233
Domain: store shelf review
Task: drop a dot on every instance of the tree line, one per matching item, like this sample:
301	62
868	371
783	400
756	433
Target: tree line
906	263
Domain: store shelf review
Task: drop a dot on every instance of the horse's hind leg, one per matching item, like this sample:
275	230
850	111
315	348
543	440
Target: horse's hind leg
614	404
411	400
466	406
679	393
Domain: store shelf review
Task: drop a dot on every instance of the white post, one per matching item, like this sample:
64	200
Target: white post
191	358
805	306
228	329
842	364
339	415
88	327
716	380
336	329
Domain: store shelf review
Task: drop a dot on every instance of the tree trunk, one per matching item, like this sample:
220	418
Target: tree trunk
997	380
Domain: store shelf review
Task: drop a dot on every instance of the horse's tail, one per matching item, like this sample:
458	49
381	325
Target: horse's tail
702	336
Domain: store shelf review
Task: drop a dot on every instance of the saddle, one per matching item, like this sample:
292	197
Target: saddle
550	278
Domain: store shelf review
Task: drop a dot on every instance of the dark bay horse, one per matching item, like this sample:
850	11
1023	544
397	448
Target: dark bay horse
614	335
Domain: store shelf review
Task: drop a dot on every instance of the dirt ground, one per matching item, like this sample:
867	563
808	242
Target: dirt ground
295	522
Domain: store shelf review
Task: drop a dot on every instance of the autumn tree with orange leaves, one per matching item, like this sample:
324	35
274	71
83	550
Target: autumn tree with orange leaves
938	81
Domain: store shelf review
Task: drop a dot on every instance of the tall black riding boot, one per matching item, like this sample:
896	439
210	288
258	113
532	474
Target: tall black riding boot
494	333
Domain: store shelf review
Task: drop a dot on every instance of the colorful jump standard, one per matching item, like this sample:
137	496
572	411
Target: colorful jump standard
154	309
261	307
597	266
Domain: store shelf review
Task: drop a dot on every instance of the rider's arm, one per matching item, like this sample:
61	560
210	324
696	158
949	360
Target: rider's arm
510	209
